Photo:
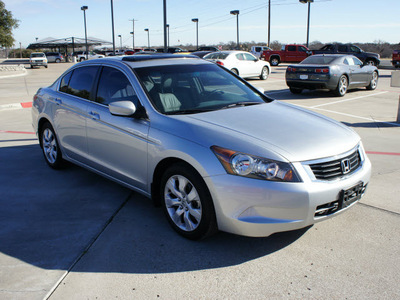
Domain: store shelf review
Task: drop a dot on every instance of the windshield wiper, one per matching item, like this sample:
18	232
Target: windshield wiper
188	111
243	103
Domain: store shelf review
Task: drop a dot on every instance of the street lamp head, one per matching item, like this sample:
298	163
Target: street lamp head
119	35
146	29
167	25
195	20
306	1
131	32
234	12
84	8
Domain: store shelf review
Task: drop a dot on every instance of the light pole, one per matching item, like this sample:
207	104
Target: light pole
84	8
168	35
133	33
269	22
148	38
120	42
112	26
308	19
197	32
236	13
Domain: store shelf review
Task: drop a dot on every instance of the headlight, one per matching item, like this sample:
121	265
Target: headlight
246	165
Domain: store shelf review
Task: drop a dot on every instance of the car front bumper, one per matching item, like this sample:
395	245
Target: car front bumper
259	208
38	63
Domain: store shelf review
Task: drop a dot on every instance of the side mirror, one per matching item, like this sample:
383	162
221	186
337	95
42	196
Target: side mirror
122	108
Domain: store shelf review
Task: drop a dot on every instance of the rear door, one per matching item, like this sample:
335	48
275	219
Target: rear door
75	90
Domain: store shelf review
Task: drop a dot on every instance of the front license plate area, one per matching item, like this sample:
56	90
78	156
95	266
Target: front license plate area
351	195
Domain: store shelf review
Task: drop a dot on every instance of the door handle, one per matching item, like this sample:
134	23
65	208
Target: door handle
58	101
94	115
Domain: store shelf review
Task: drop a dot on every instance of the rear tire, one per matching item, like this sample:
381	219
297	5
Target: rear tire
235	71
50	146
274	61
374	81
264	73
342	86
295	90
187	203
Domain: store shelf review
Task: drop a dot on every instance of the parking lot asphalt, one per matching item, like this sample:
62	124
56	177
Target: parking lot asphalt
71	234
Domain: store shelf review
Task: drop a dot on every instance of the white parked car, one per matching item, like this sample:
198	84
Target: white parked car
91	55
38	59
241	63
257	50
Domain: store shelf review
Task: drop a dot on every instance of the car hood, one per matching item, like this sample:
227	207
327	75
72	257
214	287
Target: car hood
275	130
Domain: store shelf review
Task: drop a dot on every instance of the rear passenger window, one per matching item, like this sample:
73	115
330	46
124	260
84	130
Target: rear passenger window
65	82
114	86
291	48
80	82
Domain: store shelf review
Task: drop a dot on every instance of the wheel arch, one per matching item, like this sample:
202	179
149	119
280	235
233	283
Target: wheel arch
158	173
41	123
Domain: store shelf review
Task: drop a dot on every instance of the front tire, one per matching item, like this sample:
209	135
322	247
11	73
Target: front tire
264	73
342	86
235	71
374	81
187	202
51	149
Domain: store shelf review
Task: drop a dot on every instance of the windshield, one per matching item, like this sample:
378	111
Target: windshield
318	60
181	89
37	55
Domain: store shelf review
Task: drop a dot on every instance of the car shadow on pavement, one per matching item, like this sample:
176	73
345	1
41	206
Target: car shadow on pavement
377	124
140	240
56	219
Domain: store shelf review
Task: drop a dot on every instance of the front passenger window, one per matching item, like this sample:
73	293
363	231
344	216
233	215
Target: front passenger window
114	86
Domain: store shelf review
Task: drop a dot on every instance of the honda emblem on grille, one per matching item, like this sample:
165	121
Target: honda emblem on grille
345	165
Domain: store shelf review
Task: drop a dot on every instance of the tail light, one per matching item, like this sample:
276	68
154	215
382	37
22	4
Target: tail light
291	69
322	70
219	63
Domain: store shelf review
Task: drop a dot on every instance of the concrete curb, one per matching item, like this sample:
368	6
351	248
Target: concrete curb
13	106
7	71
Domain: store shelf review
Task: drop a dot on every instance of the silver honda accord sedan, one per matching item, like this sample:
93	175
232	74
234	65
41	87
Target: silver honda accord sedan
212	150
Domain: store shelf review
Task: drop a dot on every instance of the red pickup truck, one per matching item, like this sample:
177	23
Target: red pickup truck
396	58
288	53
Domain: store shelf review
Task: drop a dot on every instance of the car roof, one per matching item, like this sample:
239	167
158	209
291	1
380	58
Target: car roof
149	60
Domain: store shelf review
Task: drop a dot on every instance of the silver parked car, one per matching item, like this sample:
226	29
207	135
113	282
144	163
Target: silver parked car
214	151
338	73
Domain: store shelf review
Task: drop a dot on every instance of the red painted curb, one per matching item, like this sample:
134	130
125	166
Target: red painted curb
383	153
12	131
26	104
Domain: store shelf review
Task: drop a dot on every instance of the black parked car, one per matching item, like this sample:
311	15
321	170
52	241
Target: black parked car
366	57
337	73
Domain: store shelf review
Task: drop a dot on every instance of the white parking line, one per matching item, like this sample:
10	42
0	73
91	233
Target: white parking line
353	116
345	100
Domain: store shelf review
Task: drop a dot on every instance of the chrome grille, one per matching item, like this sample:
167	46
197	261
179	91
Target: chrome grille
334	169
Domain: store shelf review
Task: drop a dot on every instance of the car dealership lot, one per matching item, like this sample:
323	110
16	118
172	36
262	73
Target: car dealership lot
71	234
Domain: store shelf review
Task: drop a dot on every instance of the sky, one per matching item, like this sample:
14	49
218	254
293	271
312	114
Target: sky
331	21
